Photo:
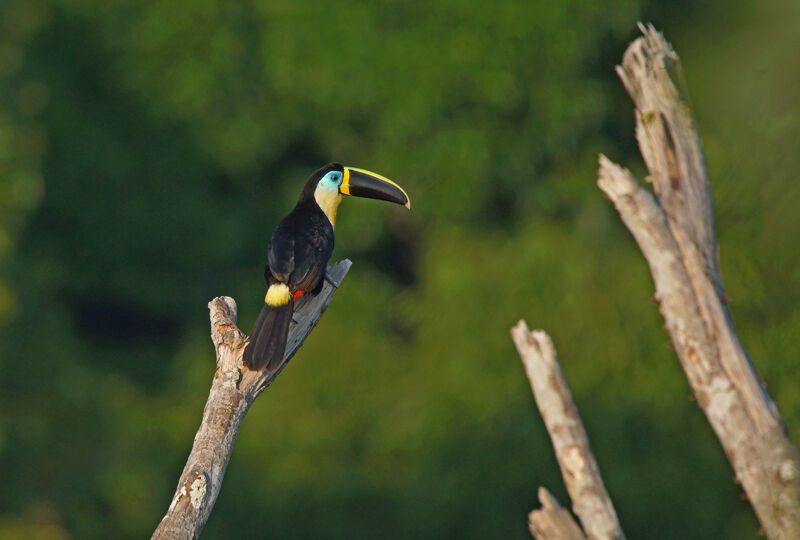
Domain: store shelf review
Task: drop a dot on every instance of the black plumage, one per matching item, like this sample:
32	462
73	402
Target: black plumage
300	249
298	255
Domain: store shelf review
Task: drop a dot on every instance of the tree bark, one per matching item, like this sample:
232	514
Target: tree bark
675	231
590	500
233	390
551	522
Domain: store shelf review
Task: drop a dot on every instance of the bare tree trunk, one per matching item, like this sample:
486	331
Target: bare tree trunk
675	231
590	500
233	390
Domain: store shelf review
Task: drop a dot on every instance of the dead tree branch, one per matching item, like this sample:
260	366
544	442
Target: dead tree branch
590	500
551	522
233	390
675	231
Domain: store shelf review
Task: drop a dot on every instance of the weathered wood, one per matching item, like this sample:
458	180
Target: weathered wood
551	522
590	500
675	231
233	390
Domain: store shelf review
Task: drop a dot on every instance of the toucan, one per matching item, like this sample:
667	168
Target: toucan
299	251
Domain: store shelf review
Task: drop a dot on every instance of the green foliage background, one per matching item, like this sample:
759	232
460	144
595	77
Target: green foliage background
148	148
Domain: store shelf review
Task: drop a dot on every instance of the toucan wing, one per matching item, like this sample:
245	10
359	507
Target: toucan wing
311	257
281	252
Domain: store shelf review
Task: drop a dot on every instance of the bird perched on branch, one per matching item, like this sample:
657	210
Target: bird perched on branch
299	251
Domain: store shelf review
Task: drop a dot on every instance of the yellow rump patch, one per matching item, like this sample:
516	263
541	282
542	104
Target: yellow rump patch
278	294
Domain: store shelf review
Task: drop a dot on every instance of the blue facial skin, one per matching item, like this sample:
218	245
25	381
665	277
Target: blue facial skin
330	181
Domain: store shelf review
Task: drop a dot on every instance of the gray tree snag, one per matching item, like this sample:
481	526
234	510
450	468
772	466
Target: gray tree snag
233	390
590	500
675	231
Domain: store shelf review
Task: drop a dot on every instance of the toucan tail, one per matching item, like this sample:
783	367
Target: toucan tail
268	338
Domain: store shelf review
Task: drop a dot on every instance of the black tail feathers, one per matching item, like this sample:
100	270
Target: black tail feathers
268	338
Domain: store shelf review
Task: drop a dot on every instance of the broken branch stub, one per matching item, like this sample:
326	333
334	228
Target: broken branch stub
233	390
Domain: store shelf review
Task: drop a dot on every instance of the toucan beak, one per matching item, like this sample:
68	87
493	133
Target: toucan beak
361	183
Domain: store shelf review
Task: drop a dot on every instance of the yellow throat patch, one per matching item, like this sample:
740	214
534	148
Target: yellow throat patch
328	201
278	294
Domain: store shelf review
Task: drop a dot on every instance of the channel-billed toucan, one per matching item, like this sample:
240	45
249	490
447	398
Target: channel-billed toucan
299	251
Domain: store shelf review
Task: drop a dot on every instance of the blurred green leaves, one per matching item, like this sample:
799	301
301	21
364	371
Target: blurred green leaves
147	149
23	138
